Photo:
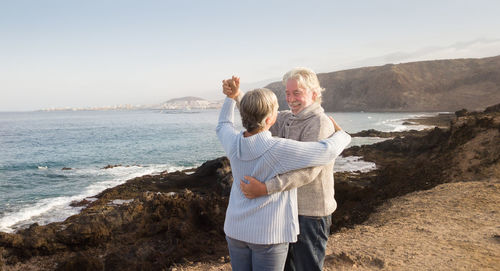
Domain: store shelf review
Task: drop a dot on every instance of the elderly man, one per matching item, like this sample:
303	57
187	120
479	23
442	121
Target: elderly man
305	122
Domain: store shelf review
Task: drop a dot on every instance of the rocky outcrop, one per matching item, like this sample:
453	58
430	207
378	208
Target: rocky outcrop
468	150
376	133
438	85
155	221
147	223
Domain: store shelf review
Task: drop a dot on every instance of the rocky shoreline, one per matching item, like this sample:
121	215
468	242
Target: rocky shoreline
174	220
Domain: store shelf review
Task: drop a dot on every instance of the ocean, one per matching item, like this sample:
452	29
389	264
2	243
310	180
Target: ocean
50	159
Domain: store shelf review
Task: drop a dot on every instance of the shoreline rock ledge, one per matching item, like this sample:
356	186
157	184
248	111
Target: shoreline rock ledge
148	223
433	202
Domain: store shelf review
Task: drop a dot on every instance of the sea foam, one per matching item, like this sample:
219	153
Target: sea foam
57	209
353	164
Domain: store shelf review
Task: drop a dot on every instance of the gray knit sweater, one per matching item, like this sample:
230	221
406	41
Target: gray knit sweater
315	186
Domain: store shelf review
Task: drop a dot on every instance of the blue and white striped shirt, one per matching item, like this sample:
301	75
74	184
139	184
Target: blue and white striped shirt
270	219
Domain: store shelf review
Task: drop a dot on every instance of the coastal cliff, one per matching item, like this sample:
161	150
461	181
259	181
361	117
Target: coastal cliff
438	85
175	220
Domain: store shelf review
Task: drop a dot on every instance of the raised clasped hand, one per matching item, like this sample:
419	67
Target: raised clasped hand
231	87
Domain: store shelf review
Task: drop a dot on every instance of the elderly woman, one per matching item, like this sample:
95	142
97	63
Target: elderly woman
258	231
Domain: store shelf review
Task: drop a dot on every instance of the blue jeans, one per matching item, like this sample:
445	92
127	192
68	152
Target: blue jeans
308	253
246	256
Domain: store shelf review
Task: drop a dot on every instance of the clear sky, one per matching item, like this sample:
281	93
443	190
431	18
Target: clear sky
72	53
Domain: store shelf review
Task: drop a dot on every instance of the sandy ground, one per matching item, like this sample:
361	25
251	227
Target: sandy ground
454	226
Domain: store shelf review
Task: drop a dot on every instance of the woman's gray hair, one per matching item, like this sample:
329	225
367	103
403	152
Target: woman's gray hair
305	78
255	107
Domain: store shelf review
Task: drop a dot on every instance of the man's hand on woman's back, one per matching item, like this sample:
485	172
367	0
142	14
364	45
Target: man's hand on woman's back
254	188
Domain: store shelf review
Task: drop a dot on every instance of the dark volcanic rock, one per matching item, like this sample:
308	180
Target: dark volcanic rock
152	222
147	223
375	133
461	113
83	202
111	166
81	262
492	109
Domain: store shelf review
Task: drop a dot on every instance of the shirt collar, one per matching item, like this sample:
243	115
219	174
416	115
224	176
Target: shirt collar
313	109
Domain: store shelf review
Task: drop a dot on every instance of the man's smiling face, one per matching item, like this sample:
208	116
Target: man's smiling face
298	97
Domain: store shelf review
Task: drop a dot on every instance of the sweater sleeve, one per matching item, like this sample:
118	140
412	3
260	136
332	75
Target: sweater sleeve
291	154
315	131
292	179
225	128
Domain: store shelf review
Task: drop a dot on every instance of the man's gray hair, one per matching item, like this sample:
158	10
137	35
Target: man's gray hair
305	78
255	107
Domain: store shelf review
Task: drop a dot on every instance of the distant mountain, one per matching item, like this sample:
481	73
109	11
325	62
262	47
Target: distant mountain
189	103
439	85
185	99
